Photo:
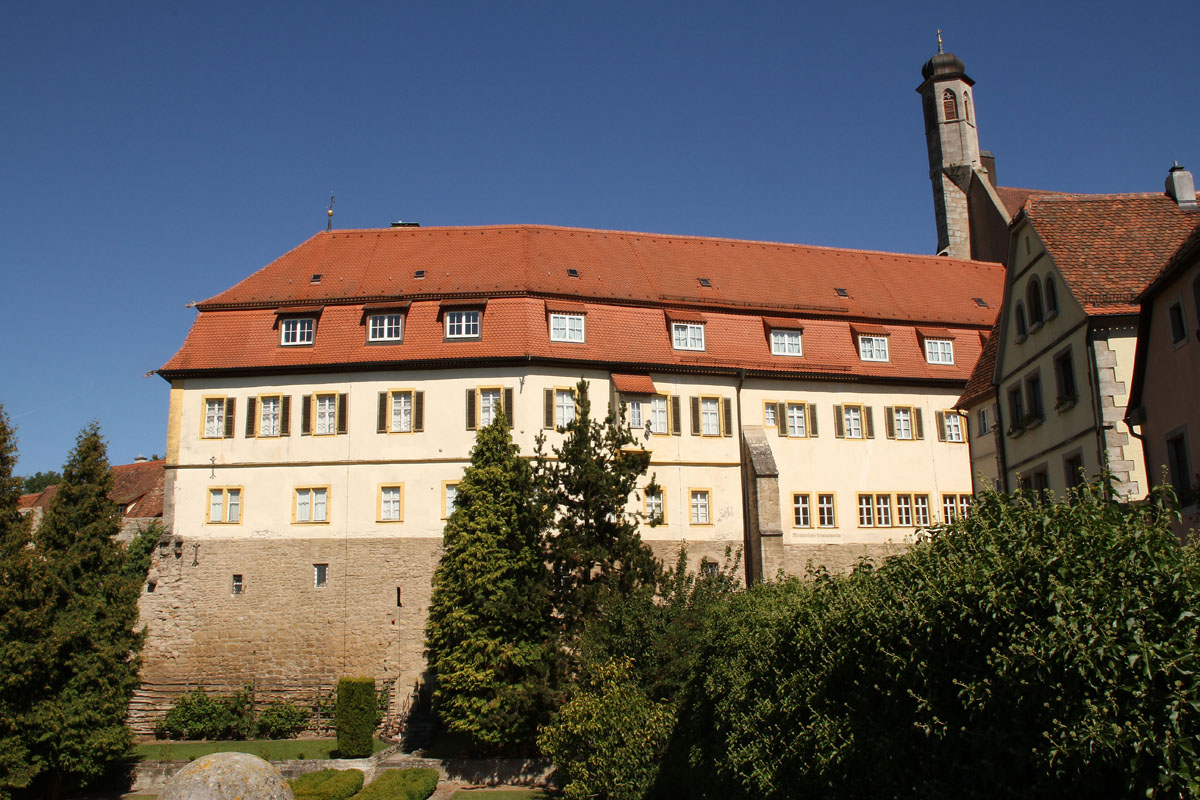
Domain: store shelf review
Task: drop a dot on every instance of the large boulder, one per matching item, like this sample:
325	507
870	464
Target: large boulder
227	776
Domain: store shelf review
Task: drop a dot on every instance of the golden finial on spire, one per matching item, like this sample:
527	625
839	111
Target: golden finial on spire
940	40
329	224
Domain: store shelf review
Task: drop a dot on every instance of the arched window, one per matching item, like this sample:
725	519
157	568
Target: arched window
1022	331
949	106
1033	295
967	106
1051	296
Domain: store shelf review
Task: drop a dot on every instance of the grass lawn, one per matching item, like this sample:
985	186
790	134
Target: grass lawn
270	749
499	794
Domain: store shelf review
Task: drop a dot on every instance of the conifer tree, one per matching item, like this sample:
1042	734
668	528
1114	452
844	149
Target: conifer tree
78	729
487	633
22	625
595	548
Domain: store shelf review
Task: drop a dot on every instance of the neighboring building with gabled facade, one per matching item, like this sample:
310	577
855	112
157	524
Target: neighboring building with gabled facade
137	493
797	402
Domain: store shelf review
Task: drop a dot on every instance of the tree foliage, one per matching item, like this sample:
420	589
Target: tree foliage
595	548
487	633
39	481
1030	650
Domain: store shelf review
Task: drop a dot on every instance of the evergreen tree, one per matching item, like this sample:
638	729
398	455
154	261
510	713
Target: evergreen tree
22	624
596	548
487	635
78	728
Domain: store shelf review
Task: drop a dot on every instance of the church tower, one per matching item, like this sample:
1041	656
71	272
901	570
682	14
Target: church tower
953	142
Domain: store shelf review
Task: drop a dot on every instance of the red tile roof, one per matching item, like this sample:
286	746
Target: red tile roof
979	385
1014	199
37	499
633	384
1109	247
138	485
627	282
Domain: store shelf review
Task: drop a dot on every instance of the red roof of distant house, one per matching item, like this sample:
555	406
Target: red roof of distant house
1014	199
137	487
979	385
1109	247
37	499
628	283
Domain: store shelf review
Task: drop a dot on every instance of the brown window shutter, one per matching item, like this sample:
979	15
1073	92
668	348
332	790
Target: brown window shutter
869	421
838	423
918	424
548	410
471	401
727	407
343	418
418	419
695	403
381	420
966	426
306	415
889	422
941	425
285	415
810	411
250	403
509	412
676	423
230	413
781	423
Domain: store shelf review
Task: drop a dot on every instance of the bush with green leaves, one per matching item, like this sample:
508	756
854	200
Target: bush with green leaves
328	784
357	716
608	739
401	784
200	715
282	720
1031	650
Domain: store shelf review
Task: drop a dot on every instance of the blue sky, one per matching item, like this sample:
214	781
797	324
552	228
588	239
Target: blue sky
156	153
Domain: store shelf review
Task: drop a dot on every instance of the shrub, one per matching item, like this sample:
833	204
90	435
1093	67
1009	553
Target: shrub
608	740
357	716
199	715
282	720
1030	650
401	784
328	784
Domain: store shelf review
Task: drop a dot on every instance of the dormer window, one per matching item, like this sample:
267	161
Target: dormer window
297	331
786	343
939	351
873	348
566	327
687	335
462	324
385	328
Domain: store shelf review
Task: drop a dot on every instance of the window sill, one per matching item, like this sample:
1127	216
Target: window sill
1013	433
1035	327
1065	404
1021	337
1051	314
1033	422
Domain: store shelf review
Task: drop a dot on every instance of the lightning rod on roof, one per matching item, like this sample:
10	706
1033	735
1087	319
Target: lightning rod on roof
329	224
940	40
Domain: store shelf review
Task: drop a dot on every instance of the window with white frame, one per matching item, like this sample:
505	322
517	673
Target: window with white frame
826	512
268	416
214	418
462	324
700	498
904	510
635	413
320	575
801	511
659	418
450	491
566	328
385	328
390	500
312	504
710	416
402	412
873	348
964	504
297	330
654	505
921	510
796	420
786	343
866	511
939	351
564	407
687	335
902	422
982	422
954	428
949	507
852	422
326	408
489	406
883	510
224	505
768	414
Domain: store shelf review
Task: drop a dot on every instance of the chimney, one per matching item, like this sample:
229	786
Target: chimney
1181	188
989	163
140	459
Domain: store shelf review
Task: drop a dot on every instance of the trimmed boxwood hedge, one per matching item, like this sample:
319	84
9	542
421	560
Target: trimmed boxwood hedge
401	784
328	784
357	716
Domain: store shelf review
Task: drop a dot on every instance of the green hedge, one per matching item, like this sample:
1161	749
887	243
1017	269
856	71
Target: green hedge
401	784
328	784
357	716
